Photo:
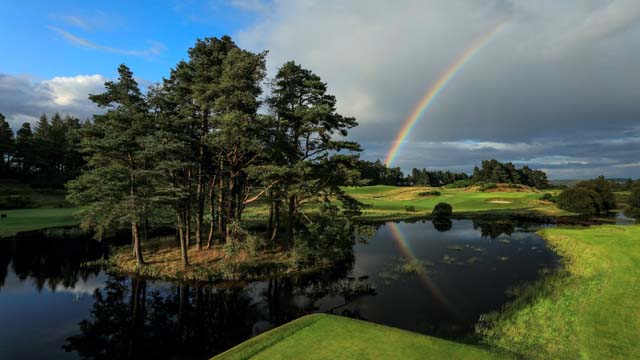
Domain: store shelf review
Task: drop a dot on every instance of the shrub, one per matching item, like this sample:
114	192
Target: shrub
634	201
460	184
410	208
579	200
14	202
604	198
429	193
442	210
488	186
548	197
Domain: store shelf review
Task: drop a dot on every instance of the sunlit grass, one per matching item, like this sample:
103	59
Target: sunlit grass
35	219
324	336
589	310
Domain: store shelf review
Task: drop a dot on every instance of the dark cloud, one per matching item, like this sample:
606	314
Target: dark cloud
562	77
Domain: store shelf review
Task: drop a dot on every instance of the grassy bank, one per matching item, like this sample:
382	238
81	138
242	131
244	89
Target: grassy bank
324	336
590	310
36	219
391	202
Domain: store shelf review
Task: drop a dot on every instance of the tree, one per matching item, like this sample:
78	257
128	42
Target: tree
6	146
634	200
25	152
118	184
579	200
602	193
306	124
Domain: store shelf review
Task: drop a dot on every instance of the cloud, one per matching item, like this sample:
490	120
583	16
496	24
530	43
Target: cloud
251	5
566	71
155	47
98	20
23	100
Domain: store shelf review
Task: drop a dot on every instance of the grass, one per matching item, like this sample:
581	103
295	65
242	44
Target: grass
163	261
390	202
36	219
323	336
590	310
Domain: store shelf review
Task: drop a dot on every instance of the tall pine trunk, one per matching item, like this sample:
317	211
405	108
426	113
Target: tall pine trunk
137	248
290	221
221	224
183	240
212	211
230	212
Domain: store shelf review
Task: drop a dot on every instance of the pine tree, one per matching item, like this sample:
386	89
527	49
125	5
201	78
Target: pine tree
6	146
25	152
118	185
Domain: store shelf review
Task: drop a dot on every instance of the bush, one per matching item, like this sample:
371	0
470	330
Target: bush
579	200
634	201
442	210
429	193
460	184
410	208
488	186
14	202
548	197
604	198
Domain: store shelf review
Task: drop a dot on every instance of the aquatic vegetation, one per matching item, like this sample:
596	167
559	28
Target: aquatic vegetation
448	259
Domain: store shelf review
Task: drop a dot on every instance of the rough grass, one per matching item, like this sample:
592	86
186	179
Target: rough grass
590	310
163	260
323	336
390	202
36	219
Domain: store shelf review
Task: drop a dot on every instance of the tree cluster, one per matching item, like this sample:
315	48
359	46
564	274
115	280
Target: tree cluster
591	197
425	177
497	172
48	153
197	146
378	173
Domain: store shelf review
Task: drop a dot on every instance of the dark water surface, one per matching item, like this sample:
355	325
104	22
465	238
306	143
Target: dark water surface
432	278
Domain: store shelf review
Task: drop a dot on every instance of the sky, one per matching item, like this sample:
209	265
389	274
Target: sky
557	88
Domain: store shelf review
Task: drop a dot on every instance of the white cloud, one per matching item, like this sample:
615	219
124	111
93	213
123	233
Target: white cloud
70	90
23	100
154	48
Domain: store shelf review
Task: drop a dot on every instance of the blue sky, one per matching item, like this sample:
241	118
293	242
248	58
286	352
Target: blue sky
65	38
558	89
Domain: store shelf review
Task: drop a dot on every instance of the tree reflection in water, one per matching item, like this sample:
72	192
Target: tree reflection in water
133	318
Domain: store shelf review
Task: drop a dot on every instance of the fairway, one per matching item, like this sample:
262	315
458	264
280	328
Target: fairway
324	336
35	219
591	311
391	202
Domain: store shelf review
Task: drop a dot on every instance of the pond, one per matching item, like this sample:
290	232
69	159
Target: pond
435	278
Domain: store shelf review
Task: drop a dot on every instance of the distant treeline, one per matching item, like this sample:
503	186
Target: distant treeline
48	154
497	172
491	171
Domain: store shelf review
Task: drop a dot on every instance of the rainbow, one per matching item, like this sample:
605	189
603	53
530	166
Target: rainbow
406	251
437	88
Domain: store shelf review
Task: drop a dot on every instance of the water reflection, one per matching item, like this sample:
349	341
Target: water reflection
67	311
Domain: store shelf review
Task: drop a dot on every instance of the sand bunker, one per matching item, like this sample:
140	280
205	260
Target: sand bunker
499	202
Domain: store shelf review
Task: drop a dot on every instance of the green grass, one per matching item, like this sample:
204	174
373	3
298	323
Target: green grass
35	197
590	310
35	219
324	336
390	202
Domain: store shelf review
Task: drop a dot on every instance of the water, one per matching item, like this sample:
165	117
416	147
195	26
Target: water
432	278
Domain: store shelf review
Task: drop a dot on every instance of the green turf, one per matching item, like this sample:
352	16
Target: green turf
35	219
391	201
324	336
591	310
